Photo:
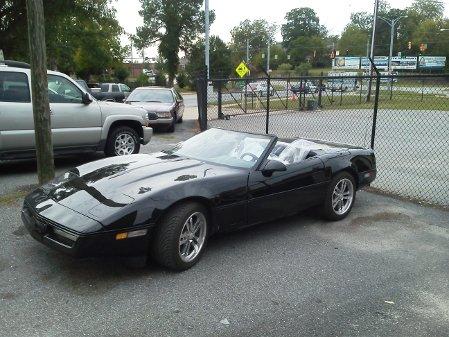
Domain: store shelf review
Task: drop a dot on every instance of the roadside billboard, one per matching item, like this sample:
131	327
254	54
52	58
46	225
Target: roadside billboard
406	62
381	62
432	62
346	62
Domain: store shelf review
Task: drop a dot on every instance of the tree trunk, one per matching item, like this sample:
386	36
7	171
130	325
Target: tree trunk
39	89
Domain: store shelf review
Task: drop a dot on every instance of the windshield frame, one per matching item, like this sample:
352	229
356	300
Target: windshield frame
255	167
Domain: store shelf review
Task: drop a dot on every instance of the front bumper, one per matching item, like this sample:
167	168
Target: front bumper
75	244
161	121
147	133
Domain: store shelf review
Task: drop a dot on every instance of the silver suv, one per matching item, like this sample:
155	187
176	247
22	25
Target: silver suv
79	122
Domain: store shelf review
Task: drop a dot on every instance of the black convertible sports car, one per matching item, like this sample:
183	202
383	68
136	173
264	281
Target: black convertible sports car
167	204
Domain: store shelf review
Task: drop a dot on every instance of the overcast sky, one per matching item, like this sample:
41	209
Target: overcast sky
334	14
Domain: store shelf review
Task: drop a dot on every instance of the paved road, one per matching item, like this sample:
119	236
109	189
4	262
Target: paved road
411	146
381	272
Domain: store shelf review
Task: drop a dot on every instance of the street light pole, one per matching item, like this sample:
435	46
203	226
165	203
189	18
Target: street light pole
392	25
206	28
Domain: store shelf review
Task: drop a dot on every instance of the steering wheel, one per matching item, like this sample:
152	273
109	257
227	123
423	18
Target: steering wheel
253	157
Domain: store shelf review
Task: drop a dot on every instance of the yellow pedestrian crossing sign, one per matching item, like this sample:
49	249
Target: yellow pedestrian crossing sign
242	69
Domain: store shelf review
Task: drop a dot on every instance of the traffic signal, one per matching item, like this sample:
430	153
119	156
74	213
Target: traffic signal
409	45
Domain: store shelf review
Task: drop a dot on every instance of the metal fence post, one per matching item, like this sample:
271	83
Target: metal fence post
376	107
202	101
268	104
219	93
320	93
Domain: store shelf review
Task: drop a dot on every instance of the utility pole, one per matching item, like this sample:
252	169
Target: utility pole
39	87
392	23
373	37
247	51
206	29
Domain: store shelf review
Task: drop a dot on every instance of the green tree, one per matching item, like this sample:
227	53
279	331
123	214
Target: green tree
428	9
354	40
277	57
256	33
175	24
82	36
301	22
220	60
310	49
121	73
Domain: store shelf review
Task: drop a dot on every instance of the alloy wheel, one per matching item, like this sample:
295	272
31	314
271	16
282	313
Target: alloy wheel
343	196
192	237
124	144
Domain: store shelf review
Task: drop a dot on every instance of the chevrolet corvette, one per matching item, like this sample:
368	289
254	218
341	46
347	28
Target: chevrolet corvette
166	205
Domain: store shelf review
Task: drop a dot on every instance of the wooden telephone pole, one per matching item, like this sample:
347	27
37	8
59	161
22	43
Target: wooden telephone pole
39	89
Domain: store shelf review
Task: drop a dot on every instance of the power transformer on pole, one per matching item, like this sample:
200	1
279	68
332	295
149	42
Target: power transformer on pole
39	87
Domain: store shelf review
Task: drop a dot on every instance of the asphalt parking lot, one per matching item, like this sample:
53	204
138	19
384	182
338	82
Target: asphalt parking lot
380	272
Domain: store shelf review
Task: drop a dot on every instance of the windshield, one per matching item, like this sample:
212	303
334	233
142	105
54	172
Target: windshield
151	95
224	147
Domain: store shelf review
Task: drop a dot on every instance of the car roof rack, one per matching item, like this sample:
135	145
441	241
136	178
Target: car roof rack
16	64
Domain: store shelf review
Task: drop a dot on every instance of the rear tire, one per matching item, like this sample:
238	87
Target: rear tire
340	197
122	140
166	248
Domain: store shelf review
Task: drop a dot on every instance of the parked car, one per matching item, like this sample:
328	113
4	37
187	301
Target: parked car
307	87
257	89
168	204
116	92
165	106
79	122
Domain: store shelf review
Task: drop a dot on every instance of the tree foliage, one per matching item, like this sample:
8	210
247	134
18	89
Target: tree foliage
220	60
301	22
257	33
82	36
174	24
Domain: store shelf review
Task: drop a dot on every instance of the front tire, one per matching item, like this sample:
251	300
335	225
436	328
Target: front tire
122	140
340	197
181	237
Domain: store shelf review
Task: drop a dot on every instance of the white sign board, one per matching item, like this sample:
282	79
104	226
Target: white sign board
407	62
432	62
381	62
347	62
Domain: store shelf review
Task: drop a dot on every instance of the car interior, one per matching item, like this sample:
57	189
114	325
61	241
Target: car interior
296	151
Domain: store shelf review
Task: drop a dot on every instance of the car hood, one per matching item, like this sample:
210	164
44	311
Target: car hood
112	184
154	106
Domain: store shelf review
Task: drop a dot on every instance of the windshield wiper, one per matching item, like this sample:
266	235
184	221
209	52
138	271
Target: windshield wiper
153	101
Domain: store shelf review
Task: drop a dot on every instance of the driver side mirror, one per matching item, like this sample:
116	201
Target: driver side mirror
273	166
86	98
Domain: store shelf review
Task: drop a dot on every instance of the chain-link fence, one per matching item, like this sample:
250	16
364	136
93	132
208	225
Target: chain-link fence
406	119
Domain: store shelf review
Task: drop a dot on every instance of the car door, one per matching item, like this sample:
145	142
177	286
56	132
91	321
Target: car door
284	193
16	112
73	123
